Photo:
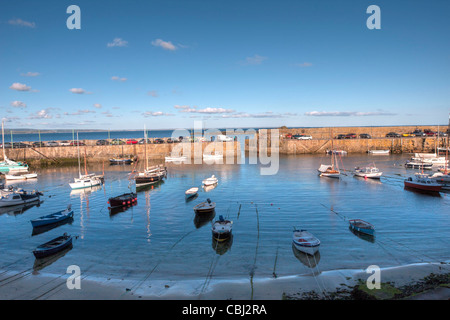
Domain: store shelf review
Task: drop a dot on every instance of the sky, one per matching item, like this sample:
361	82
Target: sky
230	64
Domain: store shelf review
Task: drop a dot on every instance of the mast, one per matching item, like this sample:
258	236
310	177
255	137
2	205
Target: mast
3	141
146	158
78	150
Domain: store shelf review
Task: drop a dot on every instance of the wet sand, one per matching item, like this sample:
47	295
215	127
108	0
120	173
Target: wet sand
28	286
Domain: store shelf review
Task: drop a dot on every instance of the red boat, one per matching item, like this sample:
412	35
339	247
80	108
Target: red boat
423	182
125	199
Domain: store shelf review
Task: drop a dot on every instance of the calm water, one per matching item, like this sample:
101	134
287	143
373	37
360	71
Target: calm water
161	233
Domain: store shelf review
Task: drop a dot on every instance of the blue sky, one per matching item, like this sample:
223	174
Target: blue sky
165	64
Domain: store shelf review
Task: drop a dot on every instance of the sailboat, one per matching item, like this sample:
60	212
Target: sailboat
86	180
326	170
8	165
151	174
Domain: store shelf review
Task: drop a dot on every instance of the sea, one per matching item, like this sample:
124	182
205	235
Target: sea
161	238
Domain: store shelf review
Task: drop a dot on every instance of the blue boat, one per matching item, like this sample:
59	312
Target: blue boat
53	218
362	226
53	246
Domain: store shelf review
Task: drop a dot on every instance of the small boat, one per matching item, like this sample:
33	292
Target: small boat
362	226
123	200
205	207
85	182
441	177
150	175
221	229
423	182
191	192
15	198
53	246
213	156
341	152
176	159
114	161
306	242
435	161
326	170
17	176
210	181
418	165
368	172
12	166
376	152
53	218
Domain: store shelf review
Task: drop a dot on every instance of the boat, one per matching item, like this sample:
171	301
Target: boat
221	229
114	161
418	165
376	152
441	177
8	165
191	192
435	161
328	171
176	159
443	151
56	217
17	176
123	200
205	207
305	242
53	246
86	180
362	226
16	198
341	152
210	181
422	182
213	156
368	172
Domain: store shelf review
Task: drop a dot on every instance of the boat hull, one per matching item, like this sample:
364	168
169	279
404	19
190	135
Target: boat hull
423	187
311	250
51	219
123	200
42	252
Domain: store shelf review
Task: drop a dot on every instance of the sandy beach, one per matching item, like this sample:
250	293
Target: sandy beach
29	286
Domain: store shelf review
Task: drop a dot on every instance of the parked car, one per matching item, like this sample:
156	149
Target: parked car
351	136
365	136
52	144
303	137
64	143
117	141
340	136
393	135
169	140
17	145
429	133
38	144
157	141
406	134
441	134
289	136
142	141
102	142
418	133
132	141
7	145
76	143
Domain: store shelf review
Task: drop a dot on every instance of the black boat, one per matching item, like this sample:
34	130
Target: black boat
53	246
151	175
123	200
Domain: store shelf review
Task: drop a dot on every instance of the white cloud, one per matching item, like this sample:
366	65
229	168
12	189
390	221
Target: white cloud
23	23
156	114
18	104
20	87
118	42
209	110
304	64
77	90
30	74
347	113
153	93
116	78
166	45
97	105
79	112
42	114
254	60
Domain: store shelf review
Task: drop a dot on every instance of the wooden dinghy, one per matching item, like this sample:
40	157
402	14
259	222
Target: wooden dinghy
191	192
221	229
205	207
305	241
53	246
123	200
362	226
53	218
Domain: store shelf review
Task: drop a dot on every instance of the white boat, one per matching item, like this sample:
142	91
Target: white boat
176	159
213	156
221	229
437	161
210	181
191	192
205	207
423	182
419	165
368	172
17	198
341	152
21	176
329	170
379	151
441	177
8	165
305	241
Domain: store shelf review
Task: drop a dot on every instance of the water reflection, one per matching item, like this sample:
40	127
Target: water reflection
362	236
20	208
221	247
115	210
42	263
42	229
308	260
202	219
